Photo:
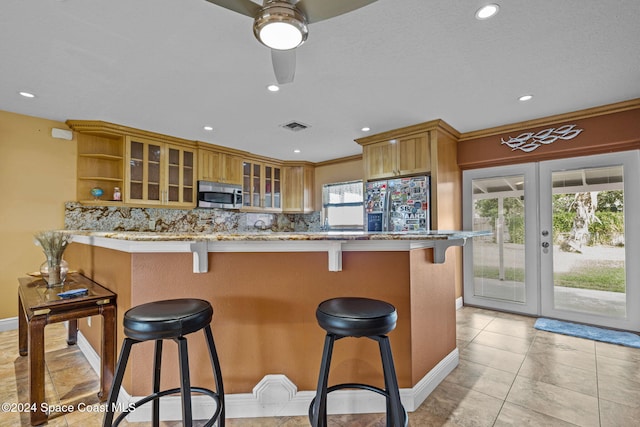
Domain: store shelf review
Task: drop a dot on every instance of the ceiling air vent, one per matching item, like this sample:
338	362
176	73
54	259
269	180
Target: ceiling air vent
295	126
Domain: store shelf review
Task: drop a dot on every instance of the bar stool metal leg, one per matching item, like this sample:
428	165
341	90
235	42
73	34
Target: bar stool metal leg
117	381
157	365
391	384
215	365
185	383
318	412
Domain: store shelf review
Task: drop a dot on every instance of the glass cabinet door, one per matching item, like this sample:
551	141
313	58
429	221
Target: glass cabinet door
272	187
261	186
251	188
246	184
180	176
160	173
268	187
255	186
153	173
144	172
136	170
188	176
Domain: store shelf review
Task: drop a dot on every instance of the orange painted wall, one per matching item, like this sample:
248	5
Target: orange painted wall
264	312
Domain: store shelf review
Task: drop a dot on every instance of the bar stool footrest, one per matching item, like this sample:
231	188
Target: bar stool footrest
168	392
360	386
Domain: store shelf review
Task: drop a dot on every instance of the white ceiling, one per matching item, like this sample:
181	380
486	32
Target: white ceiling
173	66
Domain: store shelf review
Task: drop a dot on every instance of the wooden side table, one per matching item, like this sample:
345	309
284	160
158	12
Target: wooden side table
39	306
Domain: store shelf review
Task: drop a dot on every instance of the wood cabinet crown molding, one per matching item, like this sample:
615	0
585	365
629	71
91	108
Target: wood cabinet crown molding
337	161
439	125
98	127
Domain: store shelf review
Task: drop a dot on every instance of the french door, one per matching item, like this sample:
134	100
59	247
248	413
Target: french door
564	243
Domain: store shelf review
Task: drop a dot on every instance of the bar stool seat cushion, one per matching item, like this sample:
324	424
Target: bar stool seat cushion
167	319
356	317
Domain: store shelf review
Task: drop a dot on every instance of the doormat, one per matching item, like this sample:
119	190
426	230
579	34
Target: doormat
590	332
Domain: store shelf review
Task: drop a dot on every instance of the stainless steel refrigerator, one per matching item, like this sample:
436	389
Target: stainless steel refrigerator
400	204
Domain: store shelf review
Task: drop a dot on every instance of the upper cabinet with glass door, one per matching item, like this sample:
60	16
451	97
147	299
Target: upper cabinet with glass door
160	173
261	186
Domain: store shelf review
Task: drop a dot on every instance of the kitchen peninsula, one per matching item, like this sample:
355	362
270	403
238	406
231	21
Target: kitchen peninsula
265	288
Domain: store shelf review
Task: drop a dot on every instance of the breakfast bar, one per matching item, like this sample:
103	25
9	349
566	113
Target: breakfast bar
264	288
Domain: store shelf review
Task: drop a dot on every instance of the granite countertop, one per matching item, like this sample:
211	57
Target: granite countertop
279	236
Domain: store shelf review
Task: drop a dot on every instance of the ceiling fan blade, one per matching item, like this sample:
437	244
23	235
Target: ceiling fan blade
284	65
318	10
245	7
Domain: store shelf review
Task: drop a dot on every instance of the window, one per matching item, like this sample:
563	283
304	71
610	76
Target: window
342	206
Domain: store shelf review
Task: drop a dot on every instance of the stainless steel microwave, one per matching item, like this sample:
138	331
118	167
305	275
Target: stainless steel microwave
219	195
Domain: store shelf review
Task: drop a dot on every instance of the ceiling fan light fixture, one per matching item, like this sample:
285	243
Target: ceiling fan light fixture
280	26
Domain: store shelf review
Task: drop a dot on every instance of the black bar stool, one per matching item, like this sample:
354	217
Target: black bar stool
160	320
358	317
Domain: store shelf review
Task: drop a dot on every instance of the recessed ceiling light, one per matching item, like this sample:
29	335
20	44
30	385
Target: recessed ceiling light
208	128
273	88
27	94
525	98
296	151
365	129
488	11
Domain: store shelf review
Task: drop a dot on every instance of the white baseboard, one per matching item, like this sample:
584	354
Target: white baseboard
8	324
459	303
276	395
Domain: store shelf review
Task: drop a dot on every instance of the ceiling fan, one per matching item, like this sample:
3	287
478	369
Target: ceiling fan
282	25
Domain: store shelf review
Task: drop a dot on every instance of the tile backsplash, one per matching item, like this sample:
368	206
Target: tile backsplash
121	218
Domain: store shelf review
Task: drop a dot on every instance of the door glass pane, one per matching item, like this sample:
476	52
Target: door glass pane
136	170
499	259
174	168
174	193
589	241
276	190
187	194
246	184
268	183
174	156
153	192
135	191
187	174
154	153
136	150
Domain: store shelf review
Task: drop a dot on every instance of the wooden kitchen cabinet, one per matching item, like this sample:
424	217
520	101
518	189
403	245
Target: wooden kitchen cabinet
148	168
218	166
297	188
99	164
160	173
100	160
261	186
396	156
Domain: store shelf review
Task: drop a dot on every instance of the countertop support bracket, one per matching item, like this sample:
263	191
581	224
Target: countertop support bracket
335	256
200	257
441	246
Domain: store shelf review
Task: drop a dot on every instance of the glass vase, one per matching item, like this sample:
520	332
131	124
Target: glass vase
54	272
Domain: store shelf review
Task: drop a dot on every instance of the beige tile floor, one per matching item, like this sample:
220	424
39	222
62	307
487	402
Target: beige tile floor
510	374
